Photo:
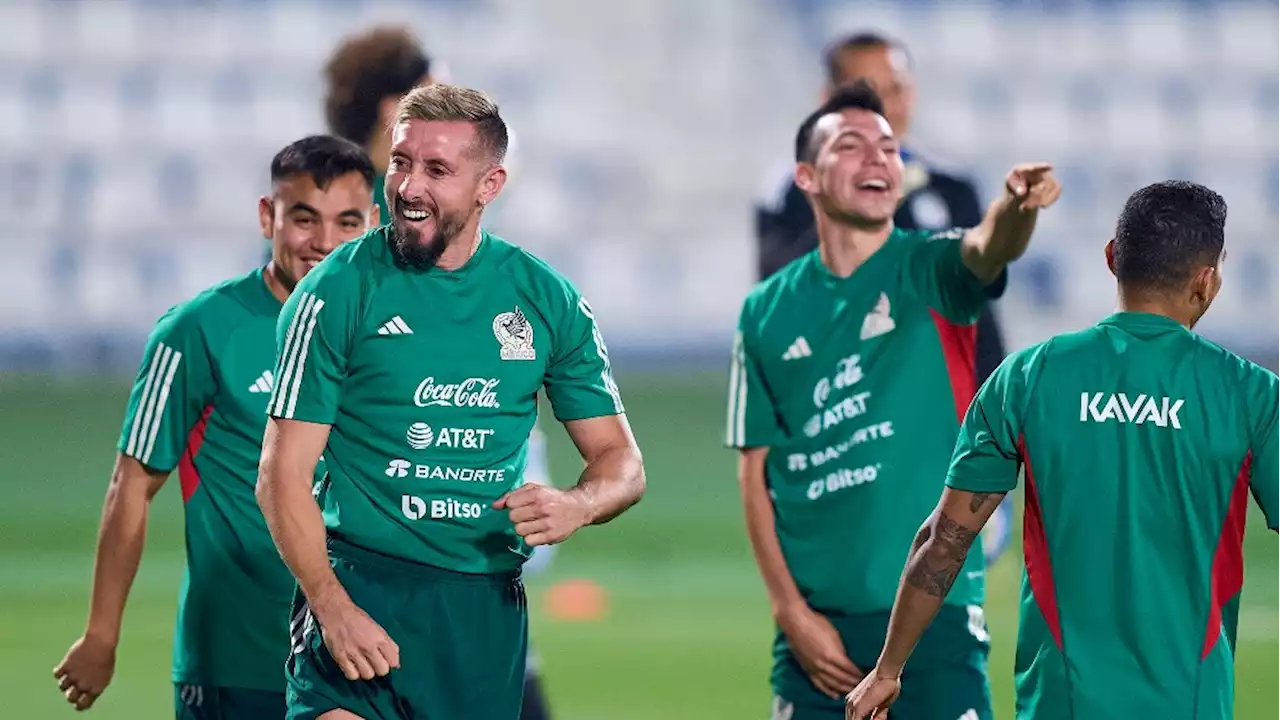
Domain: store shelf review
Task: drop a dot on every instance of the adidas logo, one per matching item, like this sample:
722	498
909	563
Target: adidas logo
878	321
264	384
799	349
395	326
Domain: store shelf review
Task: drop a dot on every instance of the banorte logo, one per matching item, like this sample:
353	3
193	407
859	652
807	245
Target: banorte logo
470	393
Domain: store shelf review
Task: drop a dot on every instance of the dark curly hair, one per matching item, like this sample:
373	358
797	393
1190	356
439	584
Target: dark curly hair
366	68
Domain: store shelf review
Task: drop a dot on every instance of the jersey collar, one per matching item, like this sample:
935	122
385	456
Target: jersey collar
1141	320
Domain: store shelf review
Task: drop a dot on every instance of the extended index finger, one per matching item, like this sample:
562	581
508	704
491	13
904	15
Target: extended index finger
1036	167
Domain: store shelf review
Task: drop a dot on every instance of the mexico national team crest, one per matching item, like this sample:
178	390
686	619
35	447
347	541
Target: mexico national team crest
515	335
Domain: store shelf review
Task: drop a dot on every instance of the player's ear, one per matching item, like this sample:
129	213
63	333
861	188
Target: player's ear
491	184
266	216
804	177
375	215
1205	284
1110	252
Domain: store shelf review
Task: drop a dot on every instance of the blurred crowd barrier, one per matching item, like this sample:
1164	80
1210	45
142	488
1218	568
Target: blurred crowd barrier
135	139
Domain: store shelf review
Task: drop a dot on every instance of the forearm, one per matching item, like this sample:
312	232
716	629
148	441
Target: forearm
1001	237
121	538
937	557
611	482
297	528
761	531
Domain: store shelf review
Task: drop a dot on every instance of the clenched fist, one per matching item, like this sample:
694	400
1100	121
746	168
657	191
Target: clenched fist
544	515
86	671
1033	184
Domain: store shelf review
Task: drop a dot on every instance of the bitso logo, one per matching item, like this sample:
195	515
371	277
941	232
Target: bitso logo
515	336
470	393
841	479
398	468
420	436
413	507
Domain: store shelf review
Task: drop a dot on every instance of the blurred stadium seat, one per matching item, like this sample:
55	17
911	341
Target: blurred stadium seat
132	129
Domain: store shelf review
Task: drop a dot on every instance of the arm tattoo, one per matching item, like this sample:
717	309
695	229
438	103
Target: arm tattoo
980	499
941	549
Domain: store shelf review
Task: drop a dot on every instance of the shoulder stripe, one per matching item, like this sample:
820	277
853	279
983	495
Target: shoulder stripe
735	435
286	353
307	307
161	405
606	376
149	413
302	357
135	423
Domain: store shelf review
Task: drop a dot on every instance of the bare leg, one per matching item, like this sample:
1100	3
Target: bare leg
339	715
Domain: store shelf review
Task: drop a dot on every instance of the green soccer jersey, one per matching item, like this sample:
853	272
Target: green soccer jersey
197	405
429	380
1140	443
857	386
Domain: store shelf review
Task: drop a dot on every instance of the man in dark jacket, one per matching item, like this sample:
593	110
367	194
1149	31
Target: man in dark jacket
933	199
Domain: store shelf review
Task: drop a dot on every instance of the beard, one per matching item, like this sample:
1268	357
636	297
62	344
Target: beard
412	249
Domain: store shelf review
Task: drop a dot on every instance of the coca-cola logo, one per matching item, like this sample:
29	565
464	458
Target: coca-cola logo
470	393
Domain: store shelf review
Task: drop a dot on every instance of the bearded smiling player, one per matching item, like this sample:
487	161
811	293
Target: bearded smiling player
851	370
412	359
197	406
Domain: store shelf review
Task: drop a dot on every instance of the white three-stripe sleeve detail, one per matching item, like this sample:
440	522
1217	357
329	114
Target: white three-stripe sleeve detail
735	370
135	423
161	405
302	358
148	411
606	376
289	353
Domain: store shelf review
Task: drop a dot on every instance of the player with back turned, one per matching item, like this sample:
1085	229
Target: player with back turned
852	367
1140	443
412	358
197	406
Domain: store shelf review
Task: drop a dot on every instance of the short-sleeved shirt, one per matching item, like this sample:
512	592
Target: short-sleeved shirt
197	407
429	381
1140	443
857	385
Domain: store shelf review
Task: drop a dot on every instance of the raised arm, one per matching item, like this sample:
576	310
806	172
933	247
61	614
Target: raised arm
1006	229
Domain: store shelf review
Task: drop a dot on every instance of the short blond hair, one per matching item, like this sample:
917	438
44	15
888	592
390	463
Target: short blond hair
438	102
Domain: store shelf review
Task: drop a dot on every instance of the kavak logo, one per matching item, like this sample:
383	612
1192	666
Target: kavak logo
515	335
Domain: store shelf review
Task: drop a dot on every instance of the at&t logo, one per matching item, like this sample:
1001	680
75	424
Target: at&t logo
420	436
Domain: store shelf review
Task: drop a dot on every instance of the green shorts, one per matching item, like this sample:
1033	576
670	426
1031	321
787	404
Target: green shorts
463	640
946	678
210	702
